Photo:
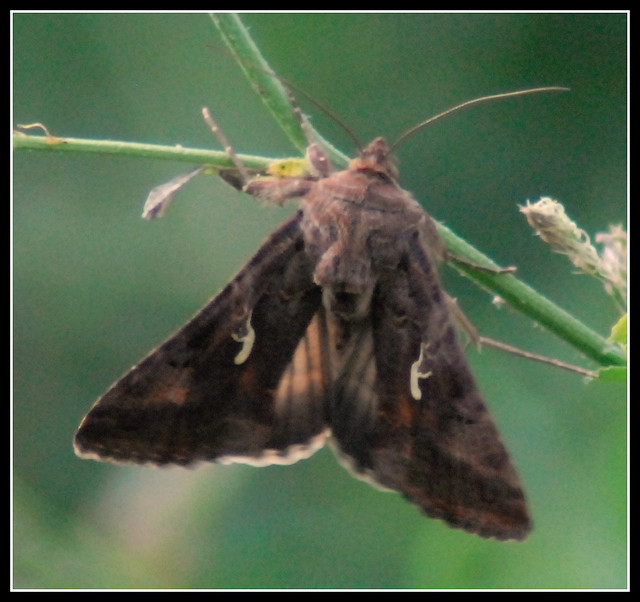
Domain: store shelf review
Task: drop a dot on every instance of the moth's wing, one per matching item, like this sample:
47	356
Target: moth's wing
244	380
408	415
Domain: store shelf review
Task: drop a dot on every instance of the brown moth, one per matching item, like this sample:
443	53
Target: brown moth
338	328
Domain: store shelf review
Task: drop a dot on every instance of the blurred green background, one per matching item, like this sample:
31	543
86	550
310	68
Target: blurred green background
96	288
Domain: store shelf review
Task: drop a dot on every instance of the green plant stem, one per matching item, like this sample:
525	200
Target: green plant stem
531	303
217	159
268	84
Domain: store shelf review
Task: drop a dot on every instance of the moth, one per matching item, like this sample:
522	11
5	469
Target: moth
337	329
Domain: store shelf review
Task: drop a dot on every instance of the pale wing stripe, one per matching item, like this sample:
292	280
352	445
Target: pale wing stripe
304	377
360	375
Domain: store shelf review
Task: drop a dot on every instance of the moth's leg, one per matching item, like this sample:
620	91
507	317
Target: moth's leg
278	190
277	187
293	178
318	164
428	246
317	161
425	250
464	324
161	196
219	134
461	320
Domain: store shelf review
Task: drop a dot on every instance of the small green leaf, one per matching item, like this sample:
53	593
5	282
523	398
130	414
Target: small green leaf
612	374
619	331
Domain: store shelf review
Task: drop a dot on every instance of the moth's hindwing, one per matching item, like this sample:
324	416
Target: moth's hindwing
225	387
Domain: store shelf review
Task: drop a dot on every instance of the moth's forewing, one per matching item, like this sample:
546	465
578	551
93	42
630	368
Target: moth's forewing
212	392
436	444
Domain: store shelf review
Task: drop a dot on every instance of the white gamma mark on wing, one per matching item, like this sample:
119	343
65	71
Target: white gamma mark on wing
416	374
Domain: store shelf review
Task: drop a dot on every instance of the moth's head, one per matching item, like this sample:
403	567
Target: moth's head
376	157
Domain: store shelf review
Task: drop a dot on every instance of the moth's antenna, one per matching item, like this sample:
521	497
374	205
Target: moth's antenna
330	114
470	103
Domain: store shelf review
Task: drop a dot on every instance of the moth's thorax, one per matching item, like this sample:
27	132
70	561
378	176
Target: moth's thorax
355	222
